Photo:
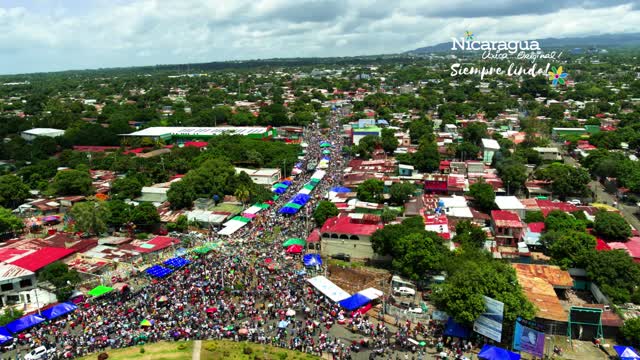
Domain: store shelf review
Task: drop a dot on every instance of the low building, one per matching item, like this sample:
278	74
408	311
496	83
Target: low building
489	148
507	227
358	133
510	203
181	133
345	235
31	134
548	153
15	280
153	194
265	176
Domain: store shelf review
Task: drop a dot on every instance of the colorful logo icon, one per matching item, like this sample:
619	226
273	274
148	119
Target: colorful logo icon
557	76
468	35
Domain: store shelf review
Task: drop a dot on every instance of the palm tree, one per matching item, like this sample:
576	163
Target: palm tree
242	194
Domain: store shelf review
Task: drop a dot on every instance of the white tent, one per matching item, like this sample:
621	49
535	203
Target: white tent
231	226
328	288
371	293
252	210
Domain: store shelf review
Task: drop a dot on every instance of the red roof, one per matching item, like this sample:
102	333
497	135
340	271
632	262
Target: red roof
343	225
601	245
156	244
198	144
632	246
506	219
557	205
94	148
536	227
43	257
8	253
314	237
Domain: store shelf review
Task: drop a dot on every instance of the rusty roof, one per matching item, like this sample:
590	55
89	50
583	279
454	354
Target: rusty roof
537	282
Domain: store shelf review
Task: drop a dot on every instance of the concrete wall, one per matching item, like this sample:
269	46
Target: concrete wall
357	249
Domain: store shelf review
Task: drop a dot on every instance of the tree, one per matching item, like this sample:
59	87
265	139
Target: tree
473	274
427	158
388	215
367	145
567	248
630	331
90	217
9	315
128	187
242	194
615	272
474	133
400	192
181	224
417	253
513	174
71	182
565	180
323	211
611	226
9	222
389	140
533	216
371	190
383	241
60	276
181	194
119	213
483	195
562	221
13	191
145	214
469	234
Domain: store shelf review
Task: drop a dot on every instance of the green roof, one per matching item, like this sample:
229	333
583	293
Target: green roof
293	205
241	218
309	187
294	241
100	290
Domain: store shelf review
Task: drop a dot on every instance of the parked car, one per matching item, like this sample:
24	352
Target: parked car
415	310
575	202
343	257
405	305
405	291
40	352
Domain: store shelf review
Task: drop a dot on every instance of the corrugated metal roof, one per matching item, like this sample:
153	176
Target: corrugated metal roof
8	271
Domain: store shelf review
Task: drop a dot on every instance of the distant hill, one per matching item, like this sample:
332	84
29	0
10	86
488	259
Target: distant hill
600	41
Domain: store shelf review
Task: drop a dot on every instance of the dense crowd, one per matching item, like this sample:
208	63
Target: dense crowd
246	290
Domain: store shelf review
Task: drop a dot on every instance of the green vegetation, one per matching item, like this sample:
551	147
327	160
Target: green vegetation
323	211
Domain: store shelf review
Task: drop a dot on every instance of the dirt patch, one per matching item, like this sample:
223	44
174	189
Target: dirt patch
353	280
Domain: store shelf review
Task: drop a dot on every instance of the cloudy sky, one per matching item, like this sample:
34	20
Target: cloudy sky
50	35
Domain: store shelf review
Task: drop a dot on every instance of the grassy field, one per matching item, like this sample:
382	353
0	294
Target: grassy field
156	351
210	350
214	350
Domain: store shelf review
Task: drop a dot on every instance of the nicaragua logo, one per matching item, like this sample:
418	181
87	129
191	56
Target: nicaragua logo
557	76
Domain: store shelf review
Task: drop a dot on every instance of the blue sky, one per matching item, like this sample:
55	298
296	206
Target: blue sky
41	35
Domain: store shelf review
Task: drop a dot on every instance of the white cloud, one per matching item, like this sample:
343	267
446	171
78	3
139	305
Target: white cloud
145	32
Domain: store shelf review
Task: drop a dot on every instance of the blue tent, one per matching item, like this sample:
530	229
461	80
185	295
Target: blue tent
456	330
177	262
312	259
490	352
288	210
626	352
355	301
24	323
326	158
158	271
300	199
286	182
279	191
340	189
5	335
58	310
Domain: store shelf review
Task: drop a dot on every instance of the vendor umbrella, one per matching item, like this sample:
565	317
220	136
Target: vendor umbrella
326	152
145	323
290	312
325	145
294	241
294	249
211	310
163	298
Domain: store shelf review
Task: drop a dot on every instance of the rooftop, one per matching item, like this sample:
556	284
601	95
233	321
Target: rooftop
537	282
490	144
196	131
506	219
509	203
43	257
344	225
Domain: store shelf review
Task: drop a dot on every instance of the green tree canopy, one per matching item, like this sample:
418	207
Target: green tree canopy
566	180
9	222
427	158
483	195
615	272
400	192
90	217
71	182
417	253
630	331
323	211
470	235
145	214
612	226
13	191
389	140
371	190
568	248
562	221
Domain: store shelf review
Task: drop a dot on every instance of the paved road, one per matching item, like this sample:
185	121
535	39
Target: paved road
602	196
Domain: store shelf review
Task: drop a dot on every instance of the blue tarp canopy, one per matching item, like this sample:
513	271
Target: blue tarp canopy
340	189
158	271
5	335
58	310
490	352
383	122
354	302
286	182
312	259
279	191
25	322
177	262
326	158
300	199
456	330
626	352
288	210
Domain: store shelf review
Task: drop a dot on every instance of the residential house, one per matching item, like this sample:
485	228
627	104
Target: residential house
507	227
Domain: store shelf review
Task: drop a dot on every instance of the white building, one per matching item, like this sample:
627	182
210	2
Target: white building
30	135
511	203
265	176
489	148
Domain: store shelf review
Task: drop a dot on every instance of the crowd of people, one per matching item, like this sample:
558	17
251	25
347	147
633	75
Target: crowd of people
245	290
